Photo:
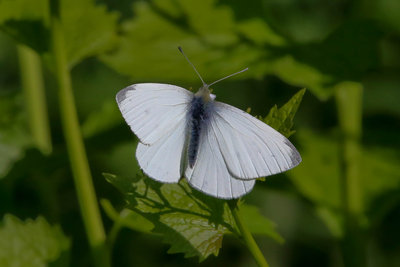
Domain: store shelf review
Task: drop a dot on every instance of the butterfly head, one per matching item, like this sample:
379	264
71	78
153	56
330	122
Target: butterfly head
205	93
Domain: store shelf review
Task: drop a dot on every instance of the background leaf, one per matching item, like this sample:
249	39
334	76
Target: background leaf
27	22
89	29
14	136
318	178
30	243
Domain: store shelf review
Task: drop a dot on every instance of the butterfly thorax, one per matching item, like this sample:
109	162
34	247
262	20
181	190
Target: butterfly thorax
204	93
198	116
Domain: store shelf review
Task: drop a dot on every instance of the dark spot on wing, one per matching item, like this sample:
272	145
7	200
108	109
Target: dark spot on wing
121	95
295	155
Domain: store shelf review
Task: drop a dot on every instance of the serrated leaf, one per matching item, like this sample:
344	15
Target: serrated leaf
33	243
191	222
282	119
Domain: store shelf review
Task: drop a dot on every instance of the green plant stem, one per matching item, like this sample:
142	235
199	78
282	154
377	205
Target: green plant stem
349	107
76	150
33	86
247	236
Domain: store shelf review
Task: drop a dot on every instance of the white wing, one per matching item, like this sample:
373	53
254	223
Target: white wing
162	160
250	148
153	110
210	174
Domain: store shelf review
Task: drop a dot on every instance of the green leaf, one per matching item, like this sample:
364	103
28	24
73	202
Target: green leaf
32	33
191	222
298	73
257	223
259	32
89	28
212	42
318	177
188	222
31	242
27	22
282	119
150	39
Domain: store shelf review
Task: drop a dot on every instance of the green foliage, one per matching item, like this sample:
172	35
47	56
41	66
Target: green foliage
27	22
285	44
14	137
226	47
189	221
257	223
104	119
317	66
32	243
282	119
89	28
126	217
318	177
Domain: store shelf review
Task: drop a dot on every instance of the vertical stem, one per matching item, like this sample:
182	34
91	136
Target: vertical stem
76	150
32	83
349	107
246	235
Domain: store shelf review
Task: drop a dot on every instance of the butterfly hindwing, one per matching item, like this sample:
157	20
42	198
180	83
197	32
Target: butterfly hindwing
210	174
162	160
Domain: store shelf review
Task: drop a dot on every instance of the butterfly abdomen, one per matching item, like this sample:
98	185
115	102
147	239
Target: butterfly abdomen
198	117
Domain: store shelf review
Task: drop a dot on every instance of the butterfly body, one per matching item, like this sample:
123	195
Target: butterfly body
200	110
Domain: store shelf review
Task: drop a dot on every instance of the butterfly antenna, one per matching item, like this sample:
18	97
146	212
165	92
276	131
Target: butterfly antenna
228	76
191	64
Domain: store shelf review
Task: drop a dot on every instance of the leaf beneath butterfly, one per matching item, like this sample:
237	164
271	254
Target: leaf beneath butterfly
191	222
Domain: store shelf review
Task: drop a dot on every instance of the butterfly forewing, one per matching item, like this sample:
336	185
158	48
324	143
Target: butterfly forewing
153	110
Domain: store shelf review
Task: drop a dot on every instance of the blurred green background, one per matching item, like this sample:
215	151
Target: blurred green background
346	53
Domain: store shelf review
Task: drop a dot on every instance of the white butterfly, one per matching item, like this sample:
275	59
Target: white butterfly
220	149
